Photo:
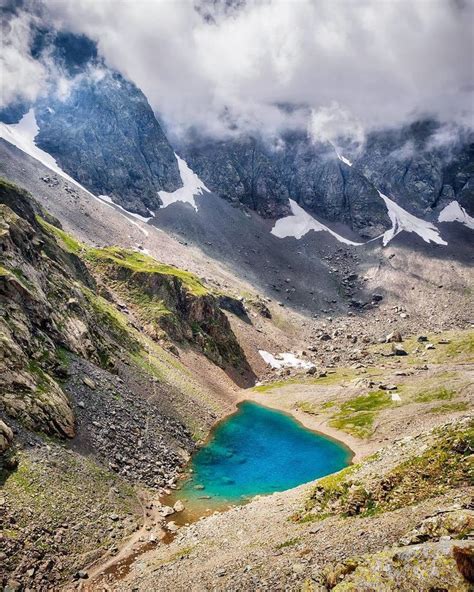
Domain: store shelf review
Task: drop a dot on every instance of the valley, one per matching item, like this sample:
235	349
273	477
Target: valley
351	387
236	334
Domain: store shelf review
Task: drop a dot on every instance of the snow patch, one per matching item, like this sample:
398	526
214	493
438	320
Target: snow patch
395	397
454	212
192	186
23	134
344	159
300	223
285	360
404	221
109	200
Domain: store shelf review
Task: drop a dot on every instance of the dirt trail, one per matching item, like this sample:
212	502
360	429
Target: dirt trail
109	568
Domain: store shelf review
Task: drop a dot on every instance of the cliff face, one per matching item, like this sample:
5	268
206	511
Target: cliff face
172	304
264	178
41	314
49	294
410	164
106	136
420	170
103	132
99	127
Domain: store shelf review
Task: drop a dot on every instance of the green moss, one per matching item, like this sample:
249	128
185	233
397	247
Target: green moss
141	263
64	356
445	465
440	394
357	415
19	275
113	320
450	407
69	243
43	381
289	543
8	186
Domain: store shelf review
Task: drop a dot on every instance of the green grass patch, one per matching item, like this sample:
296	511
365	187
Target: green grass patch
461	347
338	376
357	415
445	465
328	488
450	408
68	242
289	543
141	263
149	365
264	388
113	320
440	394
306	407
328	404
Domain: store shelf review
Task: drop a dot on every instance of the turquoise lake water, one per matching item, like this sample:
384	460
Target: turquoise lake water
259	451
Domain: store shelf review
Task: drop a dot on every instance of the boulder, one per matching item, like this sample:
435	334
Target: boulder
398	350
166	511
394	337
6	437
89	382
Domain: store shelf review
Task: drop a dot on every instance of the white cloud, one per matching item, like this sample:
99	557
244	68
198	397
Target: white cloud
380	62
22	77
329	124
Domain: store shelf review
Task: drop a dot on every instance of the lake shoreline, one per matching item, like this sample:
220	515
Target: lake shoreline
214	491
358	448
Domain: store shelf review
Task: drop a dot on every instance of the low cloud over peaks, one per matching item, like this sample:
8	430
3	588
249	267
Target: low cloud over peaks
222	66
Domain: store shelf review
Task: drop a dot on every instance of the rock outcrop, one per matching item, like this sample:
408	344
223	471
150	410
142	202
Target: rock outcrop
170	303
102	131
49	295
106	136
263	177
419	169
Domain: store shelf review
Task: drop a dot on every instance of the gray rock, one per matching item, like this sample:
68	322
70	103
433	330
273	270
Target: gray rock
166	511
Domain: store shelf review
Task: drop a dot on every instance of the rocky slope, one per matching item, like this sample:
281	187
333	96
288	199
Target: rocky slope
90	403
407	537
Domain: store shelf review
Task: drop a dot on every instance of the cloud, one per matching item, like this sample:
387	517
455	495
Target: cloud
334	124
22	77
231	65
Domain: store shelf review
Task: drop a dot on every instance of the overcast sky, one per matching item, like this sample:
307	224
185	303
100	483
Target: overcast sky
356	64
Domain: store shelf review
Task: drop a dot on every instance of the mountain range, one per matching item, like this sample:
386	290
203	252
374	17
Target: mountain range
150	281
